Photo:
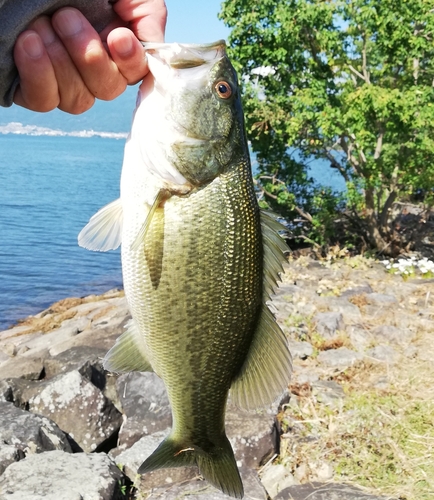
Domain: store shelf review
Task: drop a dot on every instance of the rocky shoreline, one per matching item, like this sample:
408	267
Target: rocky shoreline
69	430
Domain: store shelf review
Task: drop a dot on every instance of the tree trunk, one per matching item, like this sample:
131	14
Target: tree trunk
373	224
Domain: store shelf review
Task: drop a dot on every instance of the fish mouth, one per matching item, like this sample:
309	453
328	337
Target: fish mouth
187	55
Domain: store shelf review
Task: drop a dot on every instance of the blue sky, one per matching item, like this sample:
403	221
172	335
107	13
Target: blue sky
194	21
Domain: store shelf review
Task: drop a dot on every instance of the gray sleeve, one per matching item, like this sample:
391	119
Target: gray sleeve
15	16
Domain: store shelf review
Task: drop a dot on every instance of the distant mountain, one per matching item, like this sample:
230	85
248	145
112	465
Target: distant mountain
113	116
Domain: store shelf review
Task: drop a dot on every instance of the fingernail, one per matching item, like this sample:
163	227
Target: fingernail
47	35
32	45
68	22
124	46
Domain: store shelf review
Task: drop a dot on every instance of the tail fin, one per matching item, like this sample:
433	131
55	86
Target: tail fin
217	466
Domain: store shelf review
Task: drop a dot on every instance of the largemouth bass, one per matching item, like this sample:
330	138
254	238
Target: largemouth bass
199	260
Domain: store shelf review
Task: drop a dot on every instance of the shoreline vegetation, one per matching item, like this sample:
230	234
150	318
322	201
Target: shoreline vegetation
361	409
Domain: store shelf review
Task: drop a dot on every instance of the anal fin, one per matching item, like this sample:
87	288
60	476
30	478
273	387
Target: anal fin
128	354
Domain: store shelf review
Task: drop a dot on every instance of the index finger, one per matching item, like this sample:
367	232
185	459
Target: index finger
147	18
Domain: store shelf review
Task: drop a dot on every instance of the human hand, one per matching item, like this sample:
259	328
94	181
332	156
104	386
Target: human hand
63	62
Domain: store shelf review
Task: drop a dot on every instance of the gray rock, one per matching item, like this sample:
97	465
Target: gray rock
8	455
145	404
392	334
360	337
358	290
21	390
78	408
102	338
51	339
329	491
201	490
381	299
339	358
381	383
303	375
275	478
3	358
300	350
79	358
29	369
383	353
16	331
132	458
9	349
6	393
56	475
410	352
329	323
253	436
321	471
349	311
30	433
328	392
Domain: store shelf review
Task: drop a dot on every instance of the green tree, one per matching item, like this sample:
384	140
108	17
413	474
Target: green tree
348	81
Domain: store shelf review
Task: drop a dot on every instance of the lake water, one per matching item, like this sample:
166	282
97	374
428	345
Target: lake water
50	186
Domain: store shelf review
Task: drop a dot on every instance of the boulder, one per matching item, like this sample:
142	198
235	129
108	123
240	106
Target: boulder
20	367
77	358
253	436
78	408
22	433
55	475
145	404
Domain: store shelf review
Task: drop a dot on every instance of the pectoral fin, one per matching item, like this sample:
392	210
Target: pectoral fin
129	353
104	230
160	196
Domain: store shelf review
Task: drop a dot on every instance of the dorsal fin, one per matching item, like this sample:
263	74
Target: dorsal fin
274	251
104	230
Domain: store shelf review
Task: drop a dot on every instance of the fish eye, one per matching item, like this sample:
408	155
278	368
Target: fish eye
223	89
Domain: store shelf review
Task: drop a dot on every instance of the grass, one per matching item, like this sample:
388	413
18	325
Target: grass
381	440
